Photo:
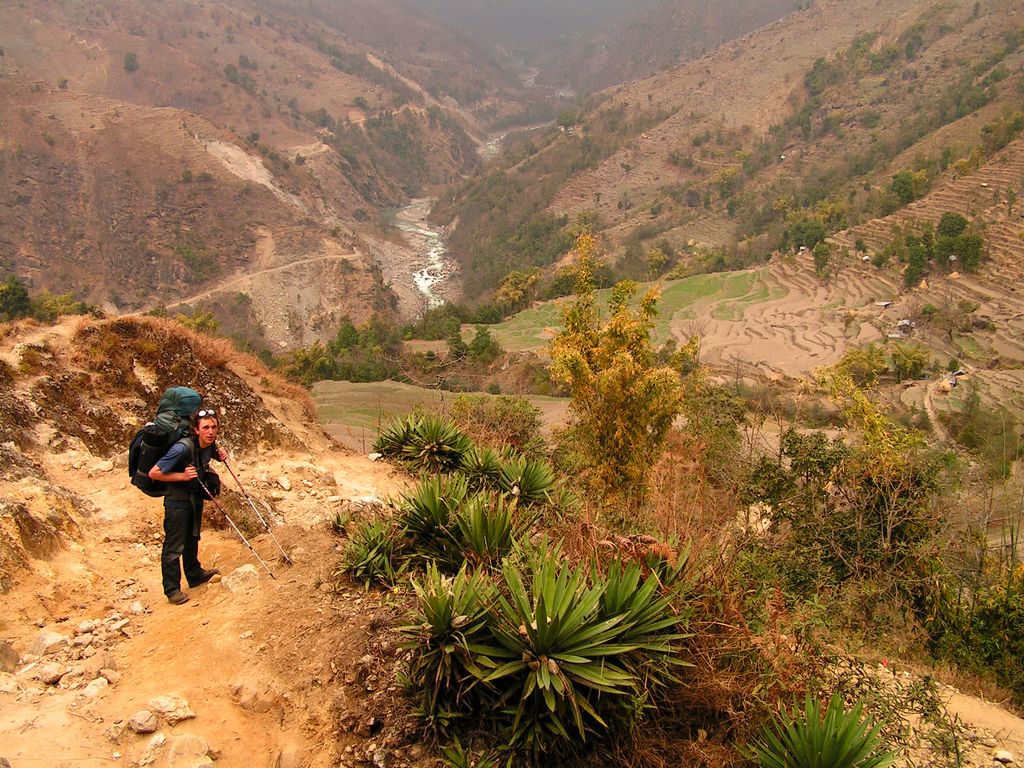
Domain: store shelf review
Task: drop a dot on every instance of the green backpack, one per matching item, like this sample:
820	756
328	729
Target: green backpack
150	443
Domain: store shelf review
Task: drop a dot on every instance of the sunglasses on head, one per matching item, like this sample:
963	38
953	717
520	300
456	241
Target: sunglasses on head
206	412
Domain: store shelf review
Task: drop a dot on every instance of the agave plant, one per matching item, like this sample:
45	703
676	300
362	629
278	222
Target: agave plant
436	445
527	480
427	517
446	635
370	554
840	739
648	621
561	655
487	529
399	433
482	468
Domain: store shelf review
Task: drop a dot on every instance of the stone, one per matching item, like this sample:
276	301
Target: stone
96	687
187	750
1003	756
143	721
375	456
111	676
88	626
9	683
172	708
116	731
254	697
8	657
103	466
47	643
287	758
50	674
97	662
284	482
152	750
83	640
240	578
137	608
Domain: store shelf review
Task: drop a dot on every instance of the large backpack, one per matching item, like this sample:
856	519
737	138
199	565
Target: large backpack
150	443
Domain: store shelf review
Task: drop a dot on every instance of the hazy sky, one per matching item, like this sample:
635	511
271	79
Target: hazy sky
527	22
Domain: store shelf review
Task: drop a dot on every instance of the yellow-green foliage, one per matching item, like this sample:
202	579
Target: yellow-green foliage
622	402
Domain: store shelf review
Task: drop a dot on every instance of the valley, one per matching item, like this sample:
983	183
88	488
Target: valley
616	377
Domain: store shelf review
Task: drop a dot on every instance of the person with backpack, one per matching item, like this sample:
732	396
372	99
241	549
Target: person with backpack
185	470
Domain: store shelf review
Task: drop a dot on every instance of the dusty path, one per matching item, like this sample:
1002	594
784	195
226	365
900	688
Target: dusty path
231	284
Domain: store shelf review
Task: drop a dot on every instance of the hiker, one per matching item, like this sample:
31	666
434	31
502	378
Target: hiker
185	469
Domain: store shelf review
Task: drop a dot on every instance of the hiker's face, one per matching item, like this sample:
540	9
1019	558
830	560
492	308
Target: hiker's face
206	429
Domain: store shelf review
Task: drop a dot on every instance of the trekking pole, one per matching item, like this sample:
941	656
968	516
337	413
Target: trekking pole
254	509
245	541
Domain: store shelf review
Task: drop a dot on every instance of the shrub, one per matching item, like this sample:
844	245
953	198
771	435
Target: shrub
840	739
445	634
369	555
504	421
427	518
527	481
487	530
426	442
482	468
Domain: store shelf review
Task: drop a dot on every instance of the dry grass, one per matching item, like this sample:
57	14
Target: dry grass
684	503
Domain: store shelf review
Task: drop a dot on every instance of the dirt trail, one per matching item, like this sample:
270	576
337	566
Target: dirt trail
250	276
251	662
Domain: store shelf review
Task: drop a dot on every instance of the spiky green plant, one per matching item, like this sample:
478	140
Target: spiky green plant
487	529
447	636
454	755
565	672
840	739
482	468
527	480
428	519
436	445
370	554
399	433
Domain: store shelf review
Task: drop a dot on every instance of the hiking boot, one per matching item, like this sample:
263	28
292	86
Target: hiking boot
177	597
205	576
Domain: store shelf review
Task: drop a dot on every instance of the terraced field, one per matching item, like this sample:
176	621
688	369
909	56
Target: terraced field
779	318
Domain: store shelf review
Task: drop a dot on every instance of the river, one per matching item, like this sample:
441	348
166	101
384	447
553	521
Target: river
432	268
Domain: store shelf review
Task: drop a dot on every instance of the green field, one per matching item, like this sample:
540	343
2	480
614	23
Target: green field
353	413
731	293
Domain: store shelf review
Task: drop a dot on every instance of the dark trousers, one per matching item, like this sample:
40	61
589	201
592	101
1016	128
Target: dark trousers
182	518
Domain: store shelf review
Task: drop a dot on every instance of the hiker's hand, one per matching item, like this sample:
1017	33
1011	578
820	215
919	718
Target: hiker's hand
222	454
190	472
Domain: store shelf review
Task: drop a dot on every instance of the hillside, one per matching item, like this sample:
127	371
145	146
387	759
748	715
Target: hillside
153	152
803	119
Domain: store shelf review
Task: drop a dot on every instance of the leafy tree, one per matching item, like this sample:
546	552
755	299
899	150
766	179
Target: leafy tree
951	224
903	186
622	402
518	288
909	361
14	300
484	347
822	258
971	252
806	232
864	365
131	62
